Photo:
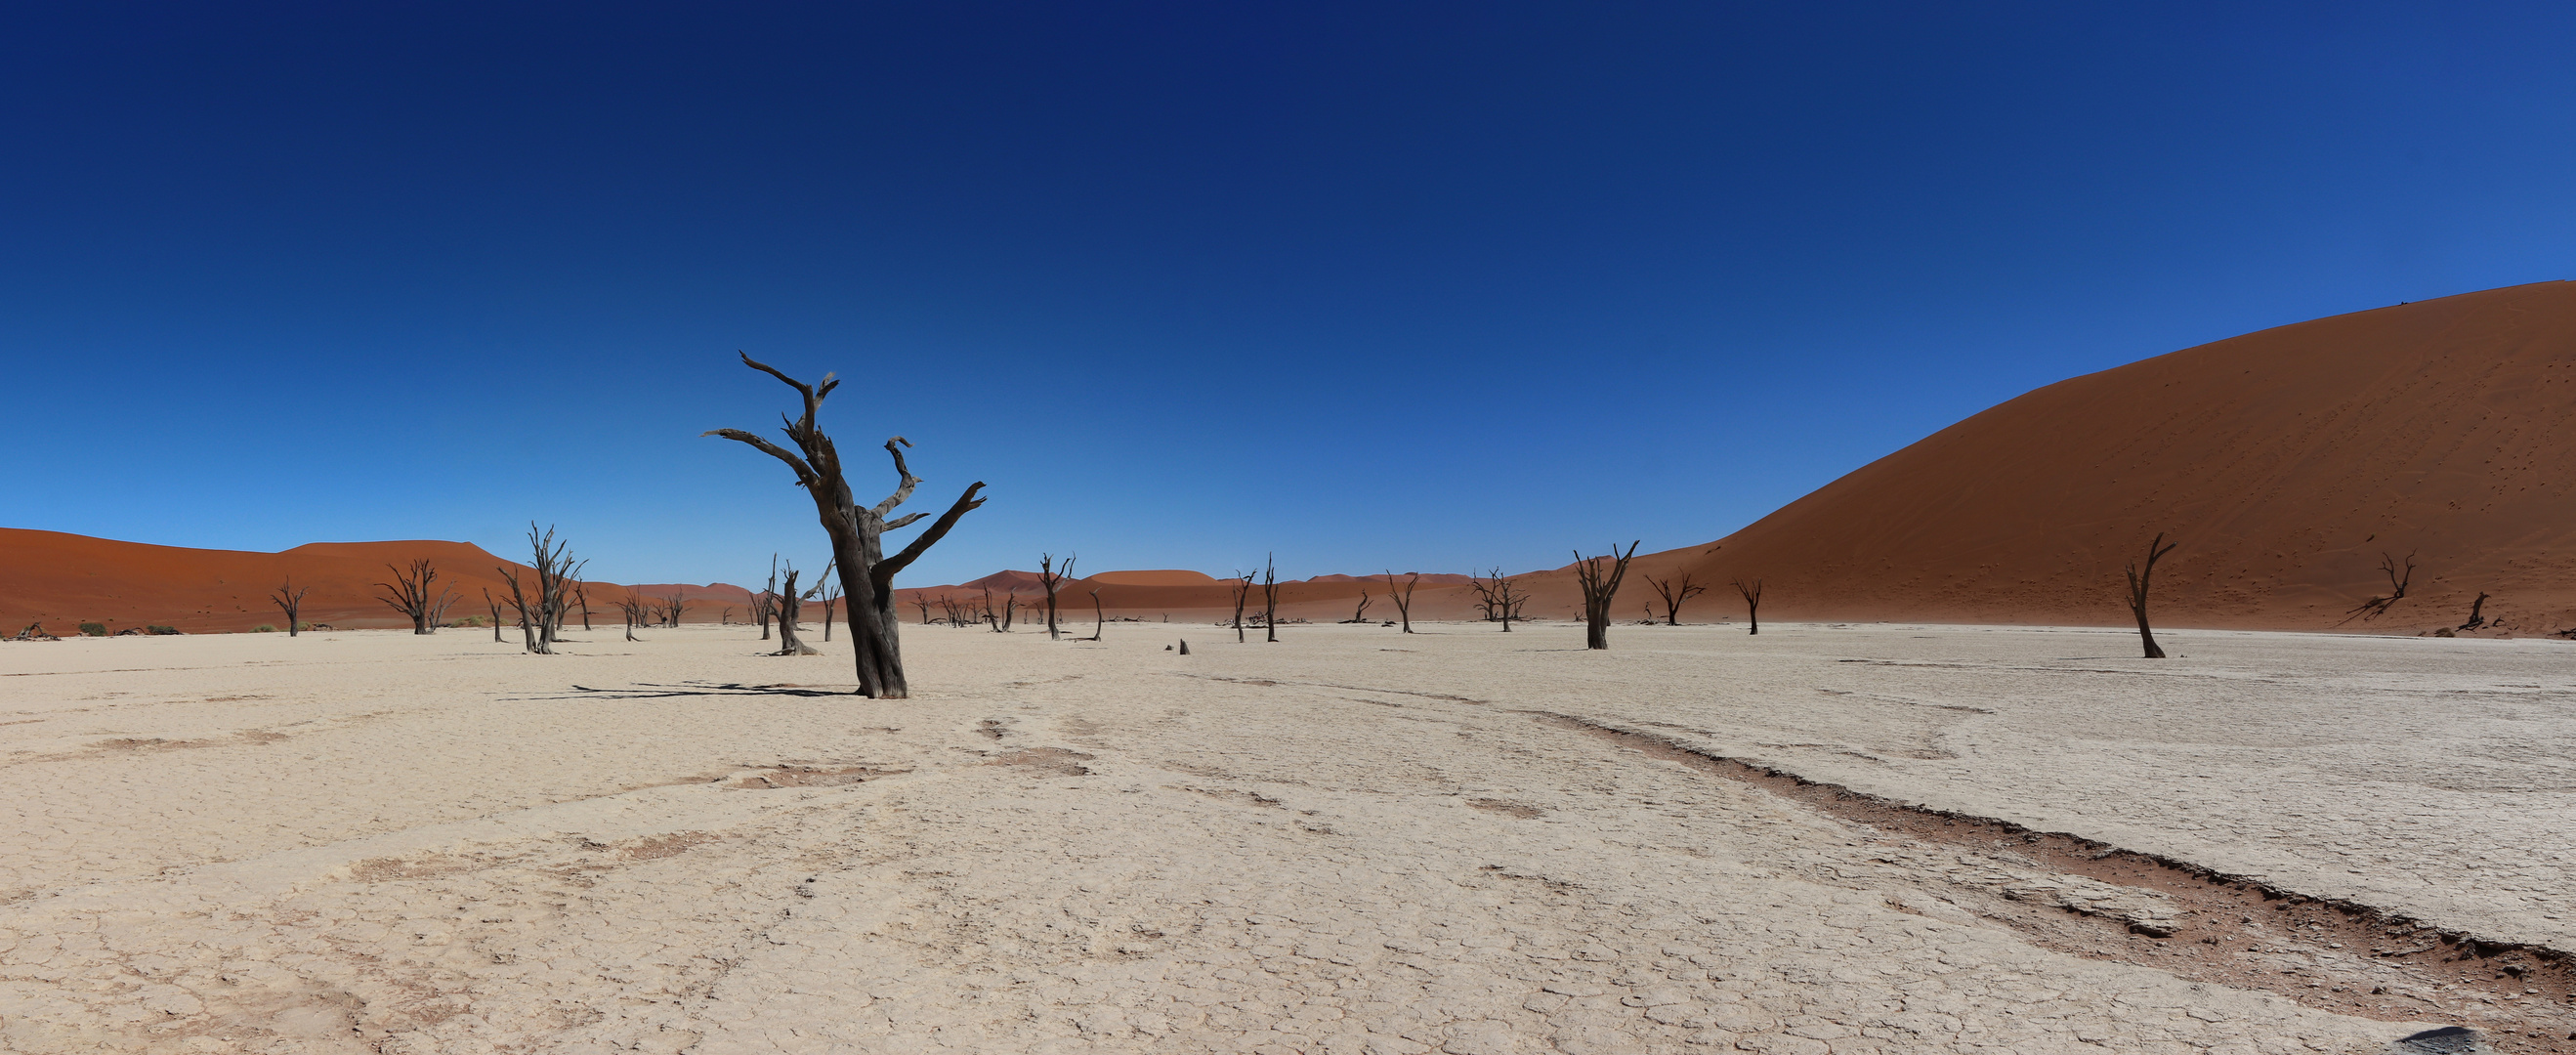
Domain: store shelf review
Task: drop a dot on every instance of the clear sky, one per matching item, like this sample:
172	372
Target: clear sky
1423	286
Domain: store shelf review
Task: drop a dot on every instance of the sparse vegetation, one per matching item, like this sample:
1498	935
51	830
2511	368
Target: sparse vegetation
409	594
100	629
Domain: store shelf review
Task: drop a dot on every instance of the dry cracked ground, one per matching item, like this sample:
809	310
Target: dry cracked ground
1351	841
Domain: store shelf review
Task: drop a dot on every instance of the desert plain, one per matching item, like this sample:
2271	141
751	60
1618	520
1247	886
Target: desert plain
1828	838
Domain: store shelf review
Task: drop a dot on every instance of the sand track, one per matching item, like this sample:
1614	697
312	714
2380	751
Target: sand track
1315	846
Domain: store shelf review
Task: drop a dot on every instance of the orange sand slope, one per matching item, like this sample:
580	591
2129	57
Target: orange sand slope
2285	462
62	580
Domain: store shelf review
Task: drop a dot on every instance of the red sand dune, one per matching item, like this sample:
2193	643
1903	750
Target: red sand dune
2284	462
63	580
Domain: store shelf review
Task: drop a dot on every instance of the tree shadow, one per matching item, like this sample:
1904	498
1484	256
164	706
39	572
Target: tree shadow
658	691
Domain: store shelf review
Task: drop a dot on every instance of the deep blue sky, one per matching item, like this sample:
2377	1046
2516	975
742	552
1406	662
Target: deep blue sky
1423	286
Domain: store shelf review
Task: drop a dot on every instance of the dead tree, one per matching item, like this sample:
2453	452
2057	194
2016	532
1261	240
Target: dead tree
2157	547
764	605
1674	591
495	606
581	597
1099	619
635	609
2476	609
831	599
289	599
679	604
1402	595
1752	592
788	603
1499	598
1599	586
1052	579
856	531
541	612
1010	609
409	594
1242	586
2378	606
922	603
991	617
1360	614
1270	597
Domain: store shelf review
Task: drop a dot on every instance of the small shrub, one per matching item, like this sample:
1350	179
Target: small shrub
263	628
471	620
93	629
161	631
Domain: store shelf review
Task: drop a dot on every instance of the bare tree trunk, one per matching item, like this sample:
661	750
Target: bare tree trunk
634	609
1402	596
496	615
290	599
1752	604
1052	579
765	605
581	596
1498	597
1242	584
2378	606
1270	597
2476	619
409	594
788	603
2138	592
1360	614
540	616
1099	620
1674	591
857	533
1599	587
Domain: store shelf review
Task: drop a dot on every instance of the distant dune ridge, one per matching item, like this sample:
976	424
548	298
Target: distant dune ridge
2284	462
63	580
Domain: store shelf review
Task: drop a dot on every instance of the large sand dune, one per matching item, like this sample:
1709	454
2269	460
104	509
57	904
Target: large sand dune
2286	463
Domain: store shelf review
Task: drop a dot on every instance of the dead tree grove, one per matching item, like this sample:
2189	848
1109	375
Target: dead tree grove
409	594
867	574
1402	595
289	600
1675	590
1752	594
1498	597
1600	585
1052	579
2156	549
541	612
